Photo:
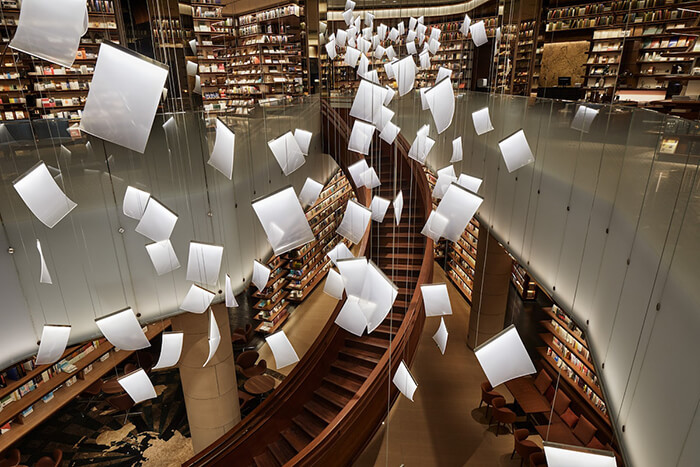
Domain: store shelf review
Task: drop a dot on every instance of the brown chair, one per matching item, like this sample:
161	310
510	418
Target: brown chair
122	403
89	395
502	414
129	367
241	337
245	364
524	447
244	399
11	459
53	461
538	459
488	395
145	360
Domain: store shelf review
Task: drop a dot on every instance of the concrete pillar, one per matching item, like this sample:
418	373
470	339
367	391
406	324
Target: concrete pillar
490	295
211	392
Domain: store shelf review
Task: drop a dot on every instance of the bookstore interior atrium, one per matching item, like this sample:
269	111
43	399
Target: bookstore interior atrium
257	239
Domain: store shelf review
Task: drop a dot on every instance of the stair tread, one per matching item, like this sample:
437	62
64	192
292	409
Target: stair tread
367	340
385	328
296	437
281	451
331	396
370	357
321	411
347	384
352	368
309	424
266	459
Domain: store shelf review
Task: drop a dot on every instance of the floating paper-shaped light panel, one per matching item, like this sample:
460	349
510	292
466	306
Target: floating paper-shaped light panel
341	37
389	70
261	274
363	45
123	330
368	102
378	207
193	46
470	183
464	29
440	337
363	67
405	72
393	34
351	56
441	101
389	133
373	76
197	300
379	52
482	121
349	5
310	191
503	357
334	285
204	262
138	385
389	95
351	318
230	297
411	49
356	170
422	145
378	296
42	195
516	151
284	220
51	30
197	85
163	257
330	49
424	58
434	226
583	118
355	221
282	349
436	300
404	381
433	46
390	53
445	177
170	349
361	137
561	455
54	339
443	73
119	108
398	207
135	202
353	271
370	179
157	222
214	337
191	68
458	206
287	152
411	36
478	31
347	16
456	150
44	276
303	138
340	251
222	153
412	23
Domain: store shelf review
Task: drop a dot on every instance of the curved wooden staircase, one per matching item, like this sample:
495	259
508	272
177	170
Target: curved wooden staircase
332	403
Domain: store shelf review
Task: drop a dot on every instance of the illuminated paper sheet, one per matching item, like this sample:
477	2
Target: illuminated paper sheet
138	385
157	222
379	52
379	207
434	226
197	300
42	195
516	151
411	48
204	262
341	37
163	257
310	192
470	183
191	68
44	276
283	220
361	137
123	330
377	297
352	55
441	101
330	49
398	207
424	58
404	381
340	251
230	296
370	179
221	157
170	350
504	357
347	16
351	318
405	72
422	145
440	337
261	274
368	102
54	338
390	53
355	221
389	133
464	29
356	170
135	202
214	337
478	31
282	349
583	118
458	206
390	93
560	455
287	152
456	150
436	300
334	285
482	121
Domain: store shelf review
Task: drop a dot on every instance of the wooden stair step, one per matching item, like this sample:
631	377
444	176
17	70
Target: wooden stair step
342	383
320	411
352	369
369	359
297	438
332	397
309	424
401	304
386	329
281	451
266	459
368	343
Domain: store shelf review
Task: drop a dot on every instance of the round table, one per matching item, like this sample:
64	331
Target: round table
260	384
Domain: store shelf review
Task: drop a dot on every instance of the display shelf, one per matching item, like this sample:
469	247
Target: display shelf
527	288
462	259
565	323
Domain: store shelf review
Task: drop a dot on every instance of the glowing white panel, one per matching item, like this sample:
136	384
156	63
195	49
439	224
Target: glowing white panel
375	42
119	108
423	100
204	262
516	151
370	179
372	76
363	67
261	274
382	30
347	16
389	133
434	226
393	34
443	73
583	118
51	30
349	5
310	191
358	23
390	53
303	138
389	70
412	23
193	46
334	285
424	58
351	56
398	207
385	117
135	202
378	207
379	52
138	386
361	137
341	37
339	252
411	48
441	100
282	349
351	318
44	276
355	221
163	257
498	36
404	381
464	29
503	357
330	49
353	271
123	330
222	153
402	28
434	33
561	455
422	145
421	27
369	19
368	102
440	337
470	183
482	121
456	150
379	292
42	195
54	339
356	170
405	71
170	350
433	46
287	152
214	337
442	184
283	220
364	45
230	297
436	300
157	222
389	95
197	85
191	68
421	38
478	31
197	300
458	206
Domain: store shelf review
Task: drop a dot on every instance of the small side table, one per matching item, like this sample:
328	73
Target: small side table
259	385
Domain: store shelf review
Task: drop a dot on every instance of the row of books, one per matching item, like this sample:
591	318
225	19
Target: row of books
590	393
662	43
100	6
574	360
14	115
564	335
50	102
13	100
582	23
51	70
591	9
274	13
74	85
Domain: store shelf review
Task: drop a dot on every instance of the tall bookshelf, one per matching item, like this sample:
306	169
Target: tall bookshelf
524	284
271	303
525	49
505	68
461	259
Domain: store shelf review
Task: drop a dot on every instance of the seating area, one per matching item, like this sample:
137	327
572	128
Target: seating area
13	456
253	384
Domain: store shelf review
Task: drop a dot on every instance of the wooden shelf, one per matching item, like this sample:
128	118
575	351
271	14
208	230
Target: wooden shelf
563	324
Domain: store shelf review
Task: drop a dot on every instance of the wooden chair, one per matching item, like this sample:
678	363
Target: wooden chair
245	364
524	447
11	459
145	360
502	414
90	393
53	461
488	395
241	337
244	399
538	459
122	403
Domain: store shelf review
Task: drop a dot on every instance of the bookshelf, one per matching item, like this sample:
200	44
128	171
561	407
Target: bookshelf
52	388
272	304
526	287
461	259
525	52
504	59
